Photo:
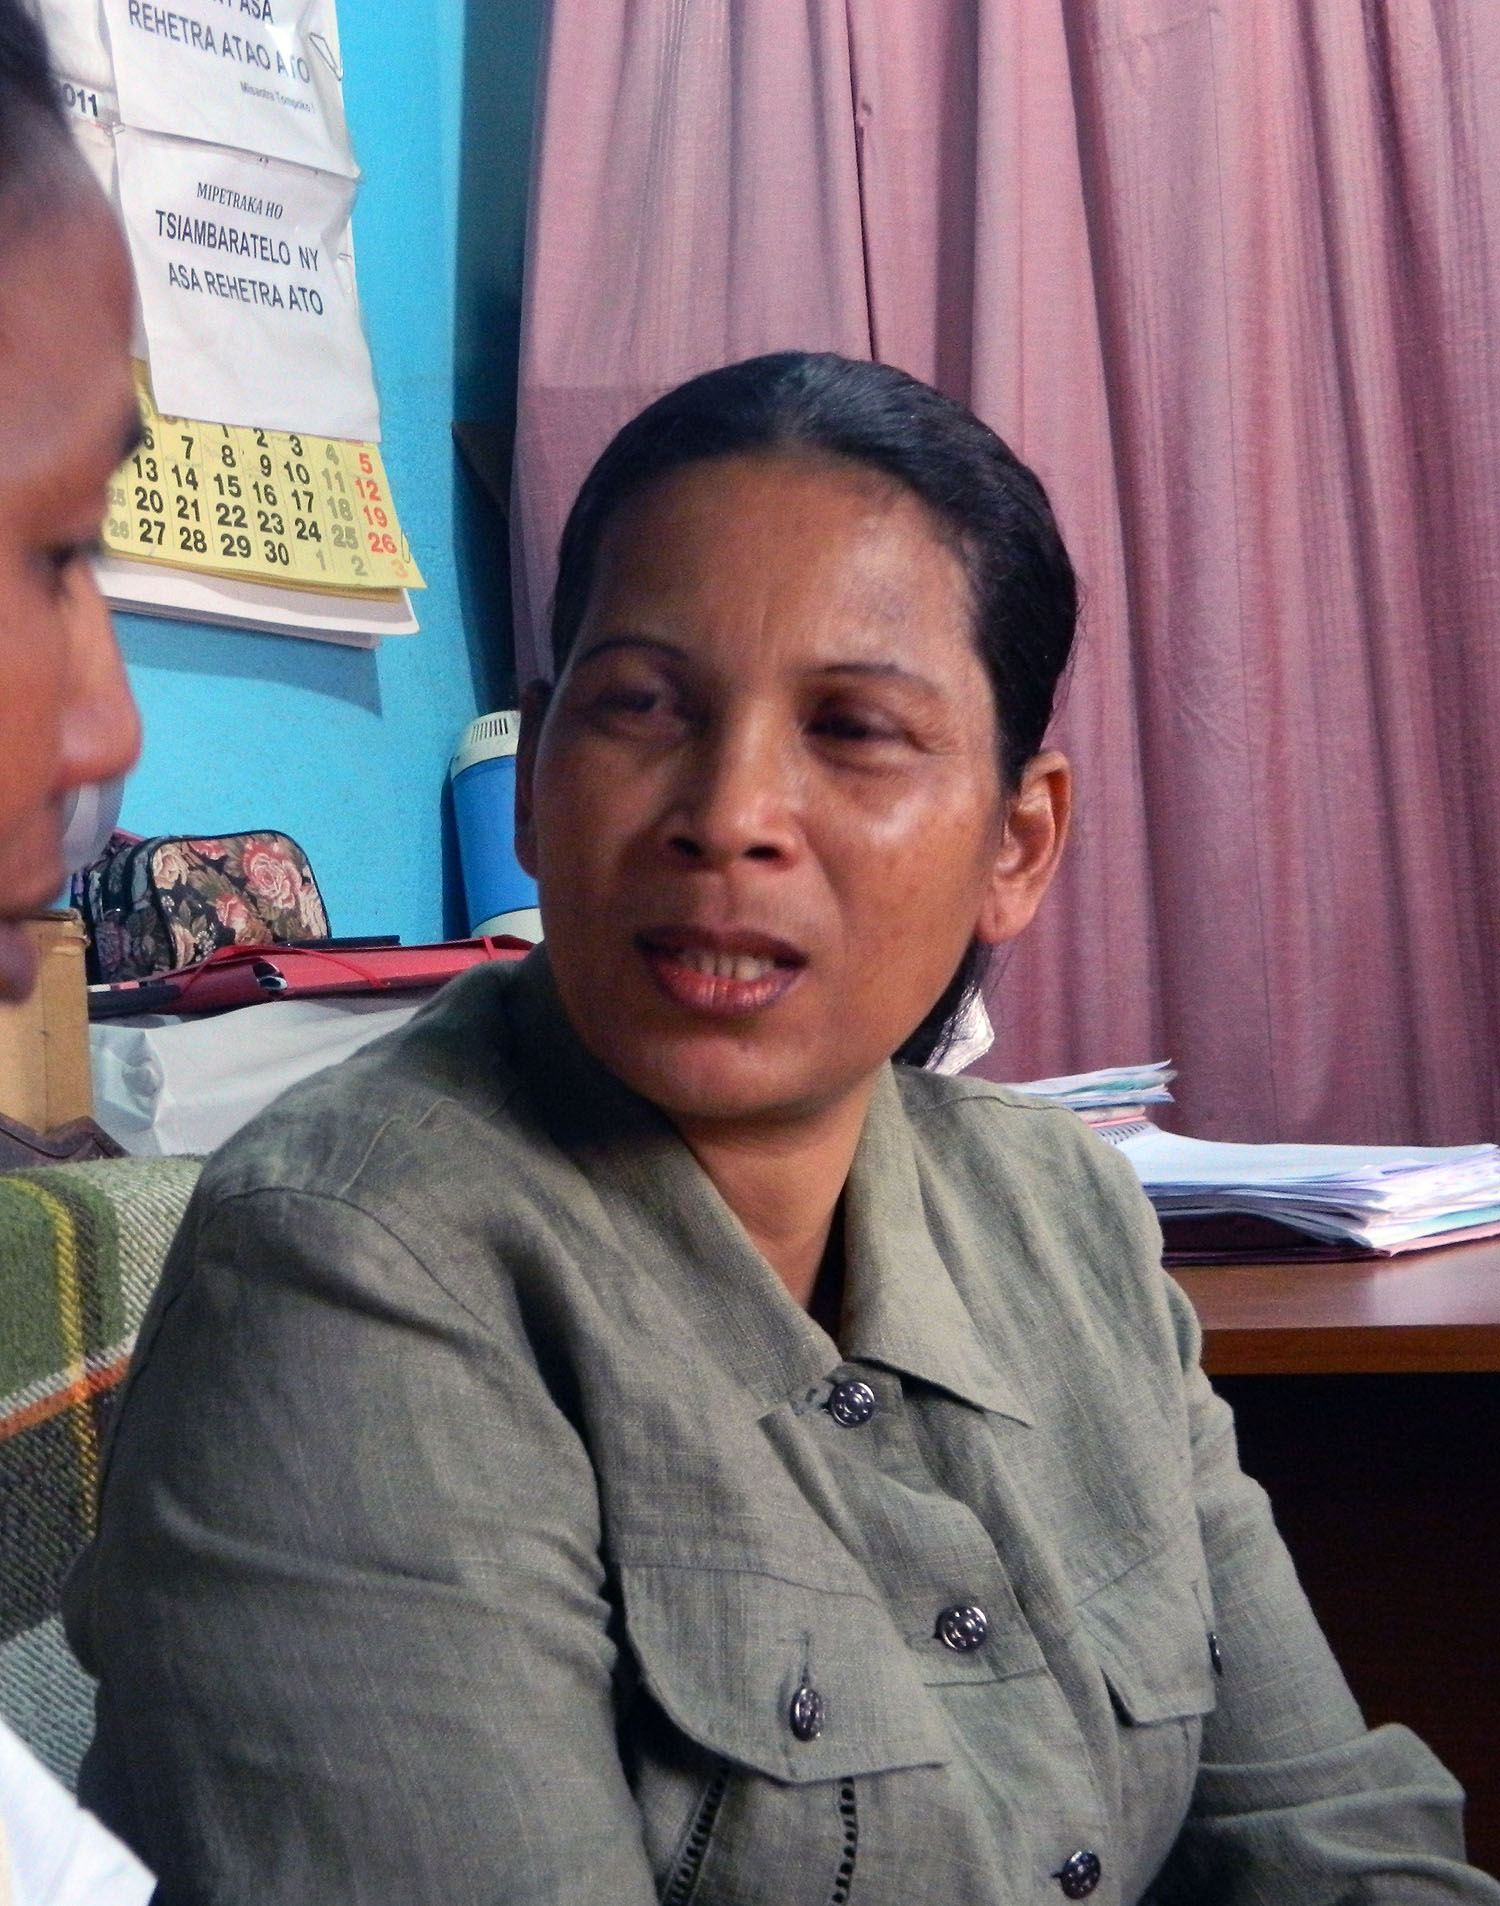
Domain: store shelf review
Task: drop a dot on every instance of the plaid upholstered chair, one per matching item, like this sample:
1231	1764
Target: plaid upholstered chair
81	1248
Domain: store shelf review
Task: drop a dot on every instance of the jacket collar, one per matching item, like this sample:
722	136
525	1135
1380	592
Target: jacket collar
901	1307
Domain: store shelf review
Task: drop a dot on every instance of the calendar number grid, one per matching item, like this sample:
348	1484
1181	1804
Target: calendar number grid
268	505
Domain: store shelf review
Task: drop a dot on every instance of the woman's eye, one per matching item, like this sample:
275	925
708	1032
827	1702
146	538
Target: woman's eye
634	708
629	701
855	725
59	561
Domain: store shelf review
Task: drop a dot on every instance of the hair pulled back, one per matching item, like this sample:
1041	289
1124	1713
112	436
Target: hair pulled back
31	107
35	138
984	500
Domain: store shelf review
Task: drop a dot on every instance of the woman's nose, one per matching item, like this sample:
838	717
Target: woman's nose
99	733
737	797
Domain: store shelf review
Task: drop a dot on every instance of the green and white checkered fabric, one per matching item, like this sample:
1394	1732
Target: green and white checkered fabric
81	1248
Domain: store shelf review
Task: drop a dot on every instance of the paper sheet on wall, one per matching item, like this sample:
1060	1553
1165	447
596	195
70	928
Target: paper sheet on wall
246	278
263	75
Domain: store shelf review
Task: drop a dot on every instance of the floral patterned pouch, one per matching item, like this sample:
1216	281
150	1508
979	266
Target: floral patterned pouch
152	906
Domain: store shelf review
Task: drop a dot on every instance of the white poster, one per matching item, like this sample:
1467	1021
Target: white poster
262	75
75	37
246	282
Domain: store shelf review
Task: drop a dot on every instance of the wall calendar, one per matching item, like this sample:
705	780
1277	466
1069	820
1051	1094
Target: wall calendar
266	505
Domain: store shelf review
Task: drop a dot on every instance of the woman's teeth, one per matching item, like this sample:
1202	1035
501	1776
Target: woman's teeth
742	966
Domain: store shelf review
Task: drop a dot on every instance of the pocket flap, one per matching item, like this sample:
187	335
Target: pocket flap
1150	1632
724	1652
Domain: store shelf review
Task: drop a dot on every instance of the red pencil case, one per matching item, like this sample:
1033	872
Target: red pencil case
251	975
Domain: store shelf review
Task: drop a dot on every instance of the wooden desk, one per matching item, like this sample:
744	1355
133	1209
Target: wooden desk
1427	1311
1367	1404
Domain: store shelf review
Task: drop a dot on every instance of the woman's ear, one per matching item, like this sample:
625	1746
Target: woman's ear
536	697
1036	829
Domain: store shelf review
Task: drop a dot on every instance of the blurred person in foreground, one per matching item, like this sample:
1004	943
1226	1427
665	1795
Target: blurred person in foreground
67	417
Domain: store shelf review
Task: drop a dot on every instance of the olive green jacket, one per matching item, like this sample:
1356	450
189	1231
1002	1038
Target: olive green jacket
477	1529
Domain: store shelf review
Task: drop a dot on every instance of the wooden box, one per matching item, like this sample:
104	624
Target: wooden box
44	1042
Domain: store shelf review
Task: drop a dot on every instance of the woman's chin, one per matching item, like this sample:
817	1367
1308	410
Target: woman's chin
719	1049
720	1077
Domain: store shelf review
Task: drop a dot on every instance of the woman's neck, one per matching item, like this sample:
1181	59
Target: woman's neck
784	1181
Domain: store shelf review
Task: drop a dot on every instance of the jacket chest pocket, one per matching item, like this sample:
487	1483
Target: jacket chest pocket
791	1695
799	1683
1150	1632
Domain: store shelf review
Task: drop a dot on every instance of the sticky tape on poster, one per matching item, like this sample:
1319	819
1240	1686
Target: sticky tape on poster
246	282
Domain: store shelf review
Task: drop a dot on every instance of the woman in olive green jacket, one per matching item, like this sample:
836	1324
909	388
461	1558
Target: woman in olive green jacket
622	1438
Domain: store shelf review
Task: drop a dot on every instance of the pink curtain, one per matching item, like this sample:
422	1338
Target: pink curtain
1227	275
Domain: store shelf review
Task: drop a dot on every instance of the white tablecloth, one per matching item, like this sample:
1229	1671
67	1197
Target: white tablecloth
169	1085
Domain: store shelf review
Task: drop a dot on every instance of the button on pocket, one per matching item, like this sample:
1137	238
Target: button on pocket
807	1713
1079	1874
963	1628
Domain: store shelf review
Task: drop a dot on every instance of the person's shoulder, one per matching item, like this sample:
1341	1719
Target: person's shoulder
1052	1242
997	1127
424	1098
1034	1178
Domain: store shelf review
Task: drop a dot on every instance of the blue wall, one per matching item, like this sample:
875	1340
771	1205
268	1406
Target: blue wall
343	749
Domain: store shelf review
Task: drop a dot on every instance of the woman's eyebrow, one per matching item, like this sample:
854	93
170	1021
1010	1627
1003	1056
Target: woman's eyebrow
886	670
627	640
132	433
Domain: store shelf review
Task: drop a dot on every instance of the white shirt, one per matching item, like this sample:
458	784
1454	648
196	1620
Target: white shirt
52	1853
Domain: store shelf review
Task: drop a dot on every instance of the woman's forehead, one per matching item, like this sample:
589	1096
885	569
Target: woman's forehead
785	480
797	540
65	320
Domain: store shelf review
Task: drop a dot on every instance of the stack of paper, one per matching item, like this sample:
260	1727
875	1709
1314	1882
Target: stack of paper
1383	1198
1113	1101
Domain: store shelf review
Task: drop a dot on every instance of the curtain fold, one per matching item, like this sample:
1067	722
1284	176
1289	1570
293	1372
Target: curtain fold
695	199
1226	275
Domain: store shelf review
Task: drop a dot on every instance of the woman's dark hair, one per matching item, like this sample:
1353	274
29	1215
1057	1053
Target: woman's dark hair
31	107
984	499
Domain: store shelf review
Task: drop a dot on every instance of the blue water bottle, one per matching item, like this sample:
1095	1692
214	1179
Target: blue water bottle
501	895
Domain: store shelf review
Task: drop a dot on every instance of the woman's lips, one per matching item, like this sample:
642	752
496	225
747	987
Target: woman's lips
725	975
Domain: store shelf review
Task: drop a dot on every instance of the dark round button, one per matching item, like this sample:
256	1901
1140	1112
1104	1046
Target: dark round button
1079	1874
963	1628
851	1403
808	1713
1215	1653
